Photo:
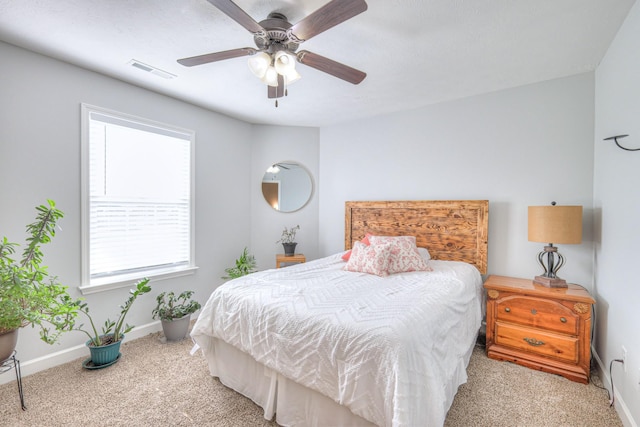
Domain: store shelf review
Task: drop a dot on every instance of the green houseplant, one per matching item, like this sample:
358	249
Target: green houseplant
28	294
246	264
174	313
105	346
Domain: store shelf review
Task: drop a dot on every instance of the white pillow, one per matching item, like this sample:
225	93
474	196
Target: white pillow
424	252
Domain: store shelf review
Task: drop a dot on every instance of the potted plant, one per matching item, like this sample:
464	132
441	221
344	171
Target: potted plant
246	264
28	294
287	239
105	347
175	313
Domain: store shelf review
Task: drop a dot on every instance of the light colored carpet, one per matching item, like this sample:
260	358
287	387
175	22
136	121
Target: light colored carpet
160	384
506	394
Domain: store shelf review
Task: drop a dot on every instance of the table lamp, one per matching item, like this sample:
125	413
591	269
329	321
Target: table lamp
557	224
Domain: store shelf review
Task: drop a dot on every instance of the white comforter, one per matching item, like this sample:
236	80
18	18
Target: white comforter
388	348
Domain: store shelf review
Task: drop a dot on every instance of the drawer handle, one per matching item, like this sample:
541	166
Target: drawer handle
507	309
563	320
534	342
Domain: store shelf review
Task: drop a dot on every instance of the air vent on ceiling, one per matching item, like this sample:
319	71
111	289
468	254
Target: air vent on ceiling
152	70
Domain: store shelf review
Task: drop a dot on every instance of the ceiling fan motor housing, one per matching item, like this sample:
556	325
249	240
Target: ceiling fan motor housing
275	37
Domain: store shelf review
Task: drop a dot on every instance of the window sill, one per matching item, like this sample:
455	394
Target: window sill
110	283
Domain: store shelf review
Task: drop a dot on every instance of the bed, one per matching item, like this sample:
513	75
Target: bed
315	345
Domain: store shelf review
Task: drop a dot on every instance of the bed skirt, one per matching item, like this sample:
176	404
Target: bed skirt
291	403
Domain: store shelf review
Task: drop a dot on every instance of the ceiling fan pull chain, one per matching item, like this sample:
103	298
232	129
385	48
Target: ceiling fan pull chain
276	103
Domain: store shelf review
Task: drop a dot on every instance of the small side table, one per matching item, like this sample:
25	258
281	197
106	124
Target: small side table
14	363
294	259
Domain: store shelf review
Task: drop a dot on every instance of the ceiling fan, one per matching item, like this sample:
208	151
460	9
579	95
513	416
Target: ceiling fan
275	168
277	41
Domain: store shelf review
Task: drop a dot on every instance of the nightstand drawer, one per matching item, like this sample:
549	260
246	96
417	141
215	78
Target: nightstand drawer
561	347
537	312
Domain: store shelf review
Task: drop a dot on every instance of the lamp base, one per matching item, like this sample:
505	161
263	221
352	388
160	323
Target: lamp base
550	282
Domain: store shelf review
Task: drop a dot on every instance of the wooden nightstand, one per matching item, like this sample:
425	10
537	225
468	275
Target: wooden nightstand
548	329
294	259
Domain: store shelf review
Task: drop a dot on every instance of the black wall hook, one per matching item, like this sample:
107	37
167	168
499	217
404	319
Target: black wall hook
615	139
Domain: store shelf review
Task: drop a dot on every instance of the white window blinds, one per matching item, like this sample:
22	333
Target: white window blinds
139	197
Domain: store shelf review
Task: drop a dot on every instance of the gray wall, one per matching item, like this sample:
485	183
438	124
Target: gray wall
617	213
519	147
40	158
272	144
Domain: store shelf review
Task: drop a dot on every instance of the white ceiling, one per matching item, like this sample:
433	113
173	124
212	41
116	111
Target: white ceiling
415	52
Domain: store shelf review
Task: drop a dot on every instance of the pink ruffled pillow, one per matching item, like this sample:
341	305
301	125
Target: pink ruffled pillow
370	259
404	253
364	240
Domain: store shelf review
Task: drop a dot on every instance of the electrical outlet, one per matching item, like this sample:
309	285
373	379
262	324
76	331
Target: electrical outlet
624	359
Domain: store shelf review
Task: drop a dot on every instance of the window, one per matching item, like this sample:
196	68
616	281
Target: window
137	207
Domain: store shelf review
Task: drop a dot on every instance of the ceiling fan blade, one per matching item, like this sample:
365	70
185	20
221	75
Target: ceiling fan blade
234	12
276	91
330	66
217	56
329	15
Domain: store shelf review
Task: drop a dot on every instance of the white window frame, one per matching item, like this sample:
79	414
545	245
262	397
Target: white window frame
89	285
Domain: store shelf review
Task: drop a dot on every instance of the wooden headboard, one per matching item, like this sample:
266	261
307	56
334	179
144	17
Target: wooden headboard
452	230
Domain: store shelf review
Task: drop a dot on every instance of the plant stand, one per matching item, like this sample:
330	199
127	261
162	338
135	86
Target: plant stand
14	363
282	259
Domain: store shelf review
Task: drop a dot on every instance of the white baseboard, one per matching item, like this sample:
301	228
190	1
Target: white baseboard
28	367
621	408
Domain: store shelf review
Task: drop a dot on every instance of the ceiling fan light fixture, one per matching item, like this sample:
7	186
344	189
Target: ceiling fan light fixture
270	78
292	77
284	62
259	63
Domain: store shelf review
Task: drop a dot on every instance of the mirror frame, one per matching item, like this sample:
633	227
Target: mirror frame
267	174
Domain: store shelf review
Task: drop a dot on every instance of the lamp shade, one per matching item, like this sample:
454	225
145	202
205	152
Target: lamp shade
283	62
270	77
555	224
292	77
259	63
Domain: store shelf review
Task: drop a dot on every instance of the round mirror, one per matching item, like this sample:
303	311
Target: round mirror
287	186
